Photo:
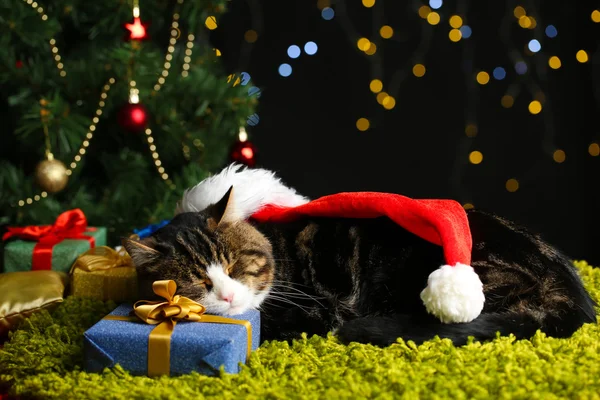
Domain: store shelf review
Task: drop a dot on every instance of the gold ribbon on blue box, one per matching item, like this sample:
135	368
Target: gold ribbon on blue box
156	321
104	273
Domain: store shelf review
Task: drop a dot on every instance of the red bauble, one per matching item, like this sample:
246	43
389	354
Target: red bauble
133	117
243	153
19	64
137	30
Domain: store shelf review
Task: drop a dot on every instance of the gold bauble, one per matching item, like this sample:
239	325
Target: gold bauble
51	175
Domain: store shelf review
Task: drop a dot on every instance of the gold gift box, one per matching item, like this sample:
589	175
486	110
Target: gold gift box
105	274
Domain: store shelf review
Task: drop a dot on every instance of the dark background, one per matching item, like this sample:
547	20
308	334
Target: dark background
307	130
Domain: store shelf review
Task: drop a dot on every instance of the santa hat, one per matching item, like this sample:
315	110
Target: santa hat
454	292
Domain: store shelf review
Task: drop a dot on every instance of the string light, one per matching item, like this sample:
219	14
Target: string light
433	18
499	73
534	46
363	44
419	70
424	11
285	70
188	55
381	97
455	35
507	101
594	149
483	78
388	102
175	34
596	16
211	23
512	185
156	157
551	31
242	134
535	107
475	157
368	3
321	4
455	21
294	51
519	12
311	48
376	86
468	206
327	13
471	130
466	31
371	50
386	32
554	62
362	124
251	36
559	156
435	4
582	56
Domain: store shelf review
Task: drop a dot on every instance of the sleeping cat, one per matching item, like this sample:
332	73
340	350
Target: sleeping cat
359	278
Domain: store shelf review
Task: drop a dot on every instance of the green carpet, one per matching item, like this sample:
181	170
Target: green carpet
43	358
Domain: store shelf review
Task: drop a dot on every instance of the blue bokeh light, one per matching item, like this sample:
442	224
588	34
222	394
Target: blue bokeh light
466	31
285	70
499	73
521	67
245	78
551	31
253	119
534	45
293	51
254	91
327	13
435	4
310	48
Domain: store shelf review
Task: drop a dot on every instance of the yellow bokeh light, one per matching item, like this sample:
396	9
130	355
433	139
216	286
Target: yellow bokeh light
368	3
559	156
218	52
371	50
455	35
525	22
389	102
419	70
582	56
596	16
376	85
512	185
363	44
471	130
433	18
362	124
533	22
381	96
321	4
251	36
211	23
483	78
519	12
424	11
594	149
507	101
475	157
535	107
456	21
554	62
386	32
468	206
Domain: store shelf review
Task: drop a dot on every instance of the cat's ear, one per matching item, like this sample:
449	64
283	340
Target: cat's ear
142	252
224	211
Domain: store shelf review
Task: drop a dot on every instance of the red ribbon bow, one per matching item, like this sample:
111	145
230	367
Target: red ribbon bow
69	225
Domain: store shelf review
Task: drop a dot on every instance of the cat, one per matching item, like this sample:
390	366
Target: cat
359	278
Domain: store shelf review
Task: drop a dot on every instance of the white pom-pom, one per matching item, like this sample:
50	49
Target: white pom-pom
253	189
454	294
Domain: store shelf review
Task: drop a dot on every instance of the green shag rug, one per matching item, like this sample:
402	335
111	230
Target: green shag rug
43	360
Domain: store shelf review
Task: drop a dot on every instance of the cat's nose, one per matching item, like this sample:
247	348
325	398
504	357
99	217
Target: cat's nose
227	297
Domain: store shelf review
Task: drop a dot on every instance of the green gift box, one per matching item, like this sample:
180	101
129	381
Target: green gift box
54	246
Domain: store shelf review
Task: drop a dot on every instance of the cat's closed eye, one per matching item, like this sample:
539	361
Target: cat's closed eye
205	283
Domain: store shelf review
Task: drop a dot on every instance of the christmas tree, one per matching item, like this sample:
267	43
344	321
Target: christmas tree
113	107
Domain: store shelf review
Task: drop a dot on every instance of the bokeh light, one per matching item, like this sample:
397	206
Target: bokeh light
455	21
362	124
499	73
250	36
582	56
386	32
424	11
372	49
468	206
551	31
554	62
211	23
376	86
455	35
512	185
310	48
381	96
596	16
285	70
519	12
594	149
559	156
368	3
388	102
363	44
327	13
521	67
471	130
525	22
433	18
435	4
534	45
483	78
475	157
466	31
418	70
321	4
507	101
535	107
293	51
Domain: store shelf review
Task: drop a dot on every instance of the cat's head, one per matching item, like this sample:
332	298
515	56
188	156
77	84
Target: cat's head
216	259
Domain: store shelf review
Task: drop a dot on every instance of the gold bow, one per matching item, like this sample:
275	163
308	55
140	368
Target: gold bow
101	258
165	315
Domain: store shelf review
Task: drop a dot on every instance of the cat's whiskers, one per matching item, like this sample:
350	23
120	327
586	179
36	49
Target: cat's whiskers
299	294
288	301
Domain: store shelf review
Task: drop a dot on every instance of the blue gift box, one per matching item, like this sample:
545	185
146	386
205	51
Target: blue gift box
195	346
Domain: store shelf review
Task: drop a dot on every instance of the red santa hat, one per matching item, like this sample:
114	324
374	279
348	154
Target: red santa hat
454	292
